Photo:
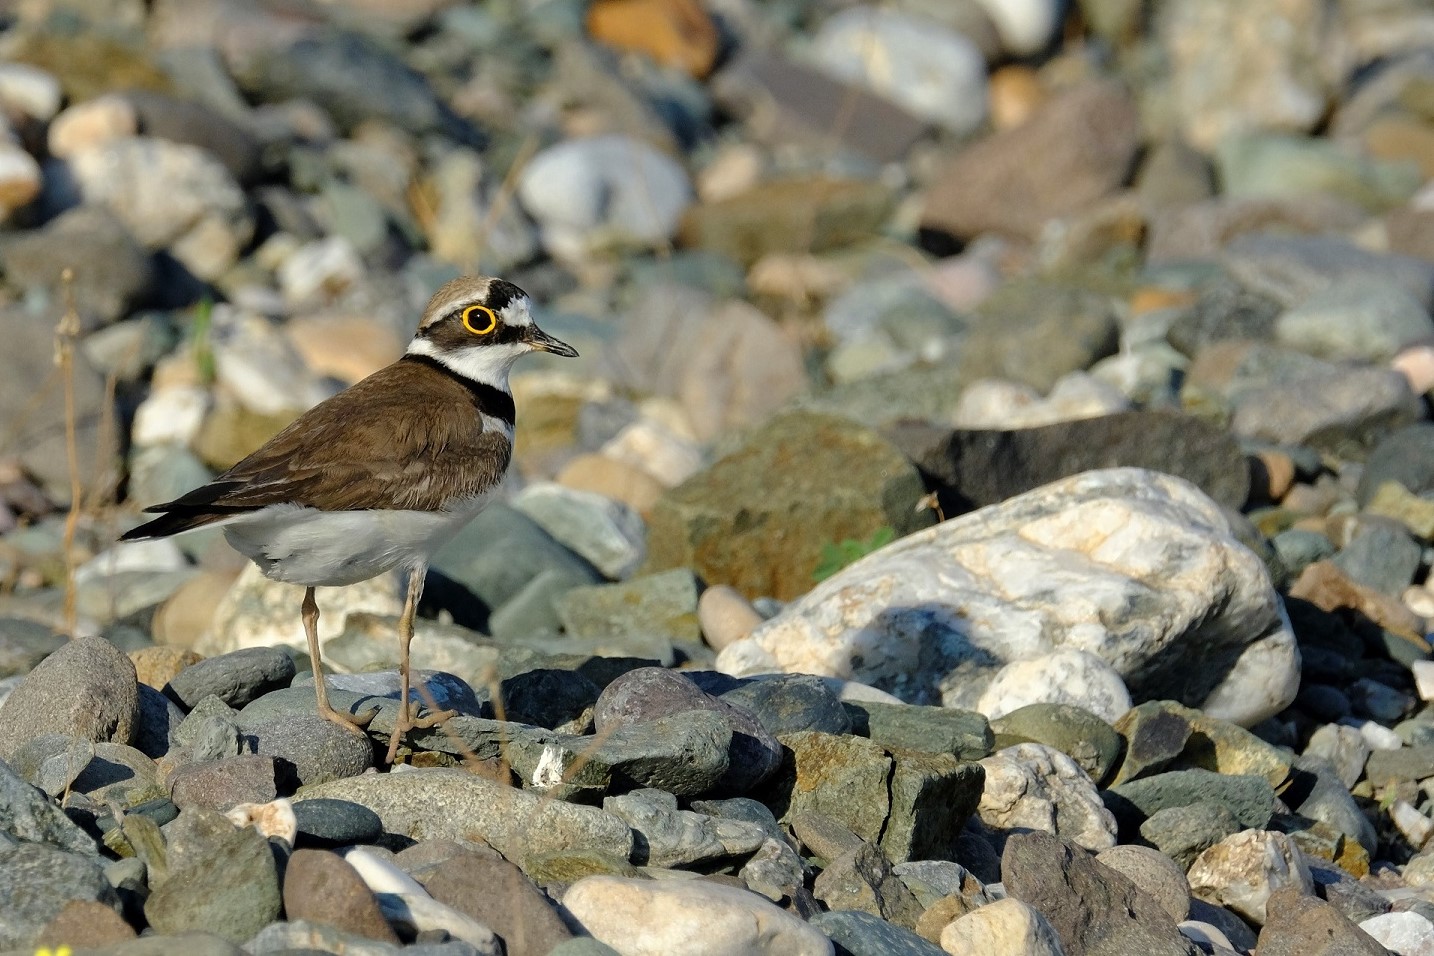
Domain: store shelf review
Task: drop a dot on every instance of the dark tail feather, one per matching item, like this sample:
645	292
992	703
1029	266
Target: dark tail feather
172	523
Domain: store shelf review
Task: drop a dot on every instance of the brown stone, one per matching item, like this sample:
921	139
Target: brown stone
1015	92
1298	925
1087	140
807	214
1410	232
84	924
497	894
941	914
188	613
156	666
86	688
613	479
1324	585
322	886
368	345
222	784
676	33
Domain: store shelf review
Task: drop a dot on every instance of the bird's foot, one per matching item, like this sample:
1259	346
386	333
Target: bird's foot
406	722
432	720
358	723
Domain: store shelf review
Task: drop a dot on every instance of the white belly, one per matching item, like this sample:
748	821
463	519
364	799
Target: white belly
305	546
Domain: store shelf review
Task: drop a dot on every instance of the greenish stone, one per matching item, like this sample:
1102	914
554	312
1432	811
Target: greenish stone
1183	833
932	796
1035	331
1074	731
1268	165
761	516
862	934
222	879
1154	737
1397	766
661	605
568	866
1211	744
1249	798
963	733
843	778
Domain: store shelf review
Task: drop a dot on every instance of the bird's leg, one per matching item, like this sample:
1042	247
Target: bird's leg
310	613
406	721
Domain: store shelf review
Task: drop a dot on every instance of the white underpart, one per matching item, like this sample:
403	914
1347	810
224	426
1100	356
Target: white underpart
301	545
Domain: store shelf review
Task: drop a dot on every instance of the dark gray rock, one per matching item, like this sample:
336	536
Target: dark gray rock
316	749
111	269
862	880
326	823
1251	799
978	468
1095	910
784	703
501	551
962	733
221	784
1382	556
647	693
354	79
26	813
1183	833
547	697
685	753
237	678
221	879
36	881
1406	457
862	934
185	121
1290	269
87	689
159	721
25	643
1299	925
1355	900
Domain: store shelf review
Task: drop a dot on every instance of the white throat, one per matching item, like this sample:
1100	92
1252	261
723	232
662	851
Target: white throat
487	365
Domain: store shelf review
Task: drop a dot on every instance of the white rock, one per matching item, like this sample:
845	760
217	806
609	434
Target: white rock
258	364
1004	928
992	403
1204	934
405	902
257	612
653	918
1064	676
170	195
1035	787
1404	934
157	555
29	90
854	691
1378	736
1415	826
725	616
610	535
171	415
1138	568
320	271
661	452
91	123
1026	27
20	178
1343	748
1241	871
275	819
1424	679
594	193
927	67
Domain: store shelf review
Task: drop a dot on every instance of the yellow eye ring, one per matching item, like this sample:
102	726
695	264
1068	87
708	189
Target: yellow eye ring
479	310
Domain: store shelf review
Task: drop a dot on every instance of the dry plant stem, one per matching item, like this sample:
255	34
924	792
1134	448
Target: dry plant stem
65	334
309	610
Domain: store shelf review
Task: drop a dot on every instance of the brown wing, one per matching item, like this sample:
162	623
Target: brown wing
403	438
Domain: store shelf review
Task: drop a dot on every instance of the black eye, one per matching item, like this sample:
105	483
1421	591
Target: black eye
479	319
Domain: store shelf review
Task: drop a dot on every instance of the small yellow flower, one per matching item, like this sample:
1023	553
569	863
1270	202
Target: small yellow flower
57	951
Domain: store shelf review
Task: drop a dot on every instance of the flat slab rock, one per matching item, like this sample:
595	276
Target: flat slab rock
1134	570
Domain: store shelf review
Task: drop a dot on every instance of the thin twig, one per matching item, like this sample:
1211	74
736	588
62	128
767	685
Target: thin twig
65	334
